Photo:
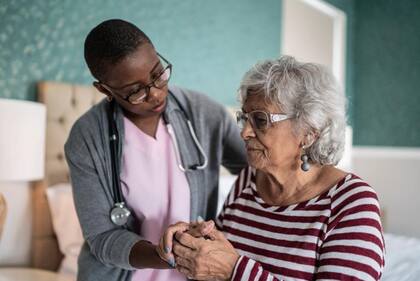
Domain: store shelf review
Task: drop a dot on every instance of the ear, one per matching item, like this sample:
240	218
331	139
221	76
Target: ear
101	89
309	139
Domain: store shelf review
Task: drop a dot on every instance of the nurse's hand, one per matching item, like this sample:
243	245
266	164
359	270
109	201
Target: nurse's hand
196	229
205	259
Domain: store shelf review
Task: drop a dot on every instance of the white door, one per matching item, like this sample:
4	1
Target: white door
315	31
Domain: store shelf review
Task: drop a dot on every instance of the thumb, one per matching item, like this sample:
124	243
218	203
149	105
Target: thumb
215	234
206	227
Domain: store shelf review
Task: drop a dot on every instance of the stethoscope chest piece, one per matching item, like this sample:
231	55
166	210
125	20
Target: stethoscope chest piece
119	214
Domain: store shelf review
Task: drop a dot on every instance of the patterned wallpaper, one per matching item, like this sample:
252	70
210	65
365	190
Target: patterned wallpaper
210	43
387	72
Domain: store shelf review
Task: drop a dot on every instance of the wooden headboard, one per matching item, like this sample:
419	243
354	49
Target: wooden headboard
65	103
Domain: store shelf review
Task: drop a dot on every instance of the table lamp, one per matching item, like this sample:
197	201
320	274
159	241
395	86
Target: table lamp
22	153
22	140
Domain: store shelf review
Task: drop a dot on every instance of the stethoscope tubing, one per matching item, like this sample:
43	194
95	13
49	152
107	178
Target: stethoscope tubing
177	151
119	213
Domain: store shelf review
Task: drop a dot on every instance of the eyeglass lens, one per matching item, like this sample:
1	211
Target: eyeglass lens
160	82
258	119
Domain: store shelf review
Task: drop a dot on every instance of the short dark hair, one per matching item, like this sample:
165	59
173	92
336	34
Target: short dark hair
110	42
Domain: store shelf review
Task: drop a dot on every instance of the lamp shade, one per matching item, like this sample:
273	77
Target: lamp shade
22	140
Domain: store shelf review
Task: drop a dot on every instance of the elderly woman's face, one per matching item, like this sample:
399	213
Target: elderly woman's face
275	147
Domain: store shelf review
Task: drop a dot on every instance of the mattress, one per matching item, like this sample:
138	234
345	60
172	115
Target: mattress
402	259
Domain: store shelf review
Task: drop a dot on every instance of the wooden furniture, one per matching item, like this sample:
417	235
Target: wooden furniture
3	212
30	274
65	104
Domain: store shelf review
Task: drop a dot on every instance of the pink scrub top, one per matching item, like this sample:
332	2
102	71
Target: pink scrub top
154	188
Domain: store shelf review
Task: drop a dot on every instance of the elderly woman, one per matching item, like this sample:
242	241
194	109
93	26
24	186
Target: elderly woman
291	215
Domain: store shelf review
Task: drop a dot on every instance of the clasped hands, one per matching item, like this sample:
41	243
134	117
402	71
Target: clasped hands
198	250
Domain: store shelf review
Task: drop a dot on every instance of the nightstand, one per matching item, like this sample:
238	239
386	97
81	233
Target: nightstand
30	274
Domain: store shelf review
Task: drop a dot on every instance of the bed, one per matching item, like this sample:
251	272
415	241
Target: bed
402	260
65	103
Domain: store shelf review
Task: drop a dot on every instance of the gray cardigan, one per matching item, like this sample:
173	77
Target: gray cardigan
105	253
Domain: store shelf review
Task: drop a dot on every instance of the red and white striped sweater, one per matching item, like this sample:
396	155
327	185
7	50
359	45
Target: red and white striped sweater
334	236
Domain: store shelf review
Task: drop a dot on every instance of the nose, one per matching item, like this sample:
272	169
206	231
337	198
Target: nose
247	131
156	95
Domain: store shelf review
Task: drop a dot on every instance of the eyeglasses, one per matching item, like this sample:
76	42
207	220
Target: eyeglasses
138	93
259	120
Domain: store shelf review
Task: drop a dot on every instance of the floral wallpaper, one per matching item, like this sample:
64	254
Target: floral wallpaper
210	43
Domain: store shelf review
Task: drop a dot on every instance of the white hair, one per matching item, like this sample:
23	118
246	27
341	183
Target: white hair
310	93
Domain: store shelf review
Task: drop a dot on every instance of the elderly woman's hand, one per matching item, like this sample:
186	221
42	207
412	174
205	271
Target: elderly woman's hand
196	229
205	259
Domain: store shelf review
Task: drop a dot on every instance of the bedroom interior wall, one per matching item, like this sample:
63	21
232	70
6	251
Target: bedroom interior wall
383	63
387	69
43	39
210	43
394	174
387	107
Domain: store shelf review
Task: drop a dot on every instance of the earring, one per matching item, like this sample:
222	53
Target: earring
305	166
109	98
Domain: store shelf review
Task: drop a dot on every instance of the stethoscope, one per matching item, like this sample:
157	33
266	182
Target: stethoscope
120	213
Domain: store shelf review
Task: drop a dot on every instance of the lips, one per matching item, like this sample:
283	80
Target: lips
160	106
253	148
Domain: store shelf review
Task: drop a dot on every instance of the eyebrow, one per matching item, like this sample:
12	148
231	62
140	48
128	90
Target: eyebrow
253	108
138	82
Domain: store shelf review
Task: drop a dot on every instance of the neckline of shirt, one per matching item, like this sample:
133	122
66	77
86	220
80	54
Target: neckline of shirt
300	206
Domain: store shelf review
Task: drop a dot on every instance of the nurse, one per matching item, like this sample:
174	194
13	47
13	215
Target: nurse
157	145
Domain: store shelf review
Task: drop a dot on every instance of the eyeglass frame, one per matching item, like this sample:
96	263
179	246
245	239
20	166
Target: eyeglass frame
270	117
146	87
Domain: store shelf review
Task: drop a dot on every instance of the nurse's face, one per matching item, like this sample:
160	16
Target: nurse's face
135	71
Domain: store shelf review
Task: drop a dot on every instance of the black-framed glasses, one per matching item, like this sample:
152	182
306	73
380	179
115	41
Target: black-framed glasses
259	120
138	93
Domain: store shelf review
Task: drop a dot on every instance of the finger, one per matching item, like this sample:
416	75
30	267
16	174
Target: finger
186	239
169	258
185	271
215	234
193	230
200	229
163	254
161	250
183	262
168	235
206	227
181	251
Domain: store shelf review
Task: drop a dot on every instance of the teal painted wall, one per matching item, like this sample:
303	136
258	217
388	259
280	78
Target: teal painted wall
210	43
387	73
383	71
212	50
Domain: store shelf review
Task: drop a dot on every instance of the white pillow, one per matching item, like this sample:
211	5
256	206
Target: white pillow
226	182
66	225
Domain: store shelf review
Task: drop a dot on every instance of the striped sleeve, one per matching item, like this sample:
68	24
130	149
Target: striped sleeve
353	248
245	268
234	193
251	270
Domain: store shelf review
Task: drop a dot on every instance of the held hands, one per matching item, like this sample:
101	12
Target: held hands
198	258
196	229
205	259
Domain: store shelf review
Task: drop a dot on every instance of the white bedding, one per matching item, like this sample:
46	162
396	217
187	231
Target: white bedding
402	259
